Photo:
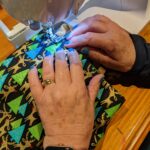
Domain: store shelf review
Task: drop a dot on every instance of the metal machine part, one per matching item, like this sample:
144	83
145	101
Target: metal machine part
48	15
37	12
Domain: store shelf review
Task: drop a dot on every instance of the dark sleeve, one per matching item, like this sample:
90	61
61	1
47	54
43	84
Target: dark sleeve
140	73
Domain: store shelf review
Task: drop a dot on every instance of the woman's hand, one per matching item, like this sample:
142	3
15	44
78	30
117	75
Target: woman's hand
110	44
65	105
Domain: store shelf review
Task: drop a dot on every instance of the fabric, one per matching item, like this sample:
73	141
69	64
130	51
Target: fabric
20	125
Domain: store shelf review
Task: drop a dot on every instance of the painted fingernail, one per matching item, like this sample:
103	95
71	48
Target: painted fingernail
67	42
85	51
74	57
47	53
74	27
48	57
71	49
60	55
59	49
67	35
32	67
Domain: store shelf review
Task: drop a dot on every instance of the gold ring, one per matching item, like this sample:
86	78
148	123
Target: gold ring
47	82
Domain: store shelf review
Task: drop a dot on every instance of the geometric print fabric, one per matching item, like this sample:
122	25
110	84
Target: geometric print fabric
20	125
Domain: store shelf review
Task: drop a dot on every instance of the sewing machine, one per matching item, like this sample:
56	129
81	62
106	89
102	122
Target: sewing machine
35	15
126	133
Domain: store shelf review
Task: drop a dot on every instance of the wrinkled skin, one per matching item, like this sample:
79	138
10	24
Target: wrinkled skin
109	44
66	107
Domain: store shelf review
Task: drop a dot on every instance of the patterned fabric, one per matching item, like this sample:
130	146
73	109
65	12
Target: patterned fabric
20	125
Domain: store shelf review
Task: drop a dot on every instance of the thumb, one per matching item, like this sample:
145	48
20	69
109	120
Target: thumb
94	86
99	57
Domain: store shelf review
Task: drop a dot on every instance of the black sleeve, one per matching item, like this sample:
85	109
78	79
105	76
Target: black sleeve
142	63
139	75
141	69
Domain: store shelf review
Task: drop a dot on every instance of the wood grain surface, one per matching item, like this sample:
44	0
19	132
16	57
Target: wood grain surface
6	48
131	123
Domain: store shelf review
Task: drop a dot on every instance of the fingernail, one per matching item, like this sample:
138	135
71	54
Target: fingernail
47	53
60	55
71	49
48	57
59	49
32	67
67	42
85	51
74	57
67	35
74	27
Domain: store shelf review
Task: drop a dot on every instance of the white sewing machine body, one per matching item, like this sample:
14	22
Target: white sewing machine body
130	14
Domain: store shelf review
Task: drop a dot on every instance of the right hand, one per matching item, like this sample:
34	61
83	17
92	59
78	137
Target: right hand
66	106
109	44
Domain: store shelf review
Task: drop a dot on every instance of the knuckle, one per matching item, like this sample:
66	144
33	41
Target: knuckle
103	17
82	93
87	20
88	37
97	17
100	18
58	95
90	22
93	26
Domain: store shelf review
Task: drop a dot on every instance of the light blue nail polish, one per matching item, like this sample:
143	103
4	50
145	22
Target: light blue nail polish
74	58
67	42
47	54
74	27
85	51
67	35
32	67
60	55
59	49
71	49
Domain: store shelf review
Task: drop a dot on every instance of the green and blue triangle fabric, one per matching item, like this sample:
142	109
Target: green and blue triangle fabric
20	125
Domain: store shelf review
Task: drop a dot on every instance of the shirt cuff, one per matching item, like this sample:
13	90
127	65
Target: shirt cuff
141	53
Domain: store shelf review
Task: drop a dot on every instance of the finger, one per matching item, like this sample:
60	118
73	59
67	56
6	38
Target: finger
62	73
100	58
88	26
91	39
48	68
76	70
94	86
35	84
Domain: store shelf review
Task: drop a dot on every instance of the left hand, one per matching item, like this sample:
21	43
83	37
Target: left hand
110	44
66	107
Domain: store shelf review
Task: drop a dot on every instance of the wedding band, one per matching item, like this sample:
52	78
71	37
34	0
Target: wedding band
47	82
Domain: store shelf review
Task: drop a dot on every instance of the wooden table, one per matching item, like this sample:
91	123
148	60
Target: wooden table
6	48
131	123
